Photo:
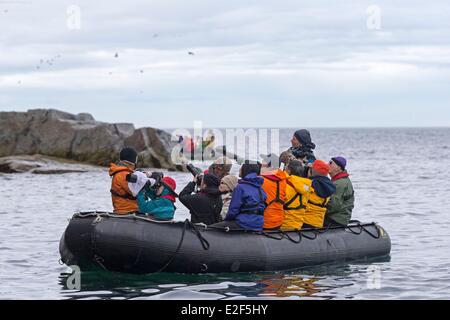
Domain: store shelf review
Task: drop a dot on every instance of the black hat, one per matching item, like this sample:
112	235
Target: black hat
129	154
250	167
211	180
304	137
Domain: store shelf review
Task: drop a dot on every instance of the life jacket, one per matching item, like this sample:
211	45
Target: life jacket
291	204
123	200
316	210
297	197
275	188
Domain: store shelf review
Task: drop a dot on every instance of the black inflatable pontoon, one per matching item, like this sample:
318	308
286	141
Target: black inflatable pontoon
135	244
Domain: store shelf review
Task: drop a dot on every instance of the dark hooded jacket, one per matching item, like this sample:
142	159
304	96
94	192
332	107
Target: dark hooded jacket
205	206
323	186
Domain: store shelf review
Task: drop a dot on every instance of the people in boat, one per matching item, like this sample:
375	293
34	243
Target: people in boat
227	186
221	167
275	188
158	200
322	189
298	190
248	201
123	199
302	146
205	206
340	207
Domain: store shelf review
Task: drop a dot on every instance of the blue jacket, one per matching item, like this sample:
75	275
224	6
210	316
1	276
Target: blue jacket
248	194
158	207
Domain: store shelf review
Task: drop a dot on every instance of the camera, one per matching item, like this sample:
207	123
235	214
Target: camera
196	172
157	176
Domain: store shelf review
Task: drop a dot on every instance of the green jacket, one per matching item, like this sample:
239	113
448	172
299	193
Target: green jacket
159	207
341	204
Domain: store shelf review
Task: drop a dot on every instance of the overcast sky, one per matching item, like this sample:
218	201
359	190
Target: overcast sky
265	63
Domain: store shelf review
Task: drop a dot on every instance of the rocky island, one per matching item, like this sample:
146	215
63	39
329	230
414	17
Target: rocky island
52	141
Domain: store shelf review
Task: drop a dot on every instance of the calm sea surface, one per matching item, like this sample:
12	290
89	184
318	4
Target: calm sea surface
402	181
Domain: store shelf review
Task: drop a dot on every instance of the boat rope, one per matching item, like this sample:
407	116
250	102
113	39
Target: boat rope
378	236
269	235
164	267
309	230
303	233
203	241
288	236
323	230
351	228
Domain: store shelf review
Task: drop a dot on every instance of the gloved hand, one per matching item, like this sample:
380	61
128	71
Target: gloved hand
157	176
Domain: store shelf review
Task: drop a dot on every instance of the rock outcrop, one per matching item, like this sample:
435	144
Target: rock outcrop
80	137
39	164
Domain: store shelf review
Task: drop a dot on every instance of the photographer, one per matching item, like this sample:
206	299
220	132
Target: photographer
123	198
206	205
157	195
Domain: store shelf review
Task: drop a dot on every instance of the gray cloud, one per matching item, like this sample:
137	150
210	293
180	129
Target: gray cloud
257	54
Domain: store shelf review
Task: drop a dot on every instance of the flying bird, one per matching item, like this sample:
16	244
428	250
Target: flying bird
117	55
191	53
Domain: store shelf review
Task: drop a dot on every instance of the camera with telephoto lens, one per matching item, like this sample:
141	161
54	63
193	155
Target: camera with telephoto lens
196	172
157	176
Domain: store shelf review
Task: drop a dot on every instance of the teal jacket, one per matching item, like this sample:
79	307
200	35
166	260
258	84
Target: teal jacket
150	204
341	204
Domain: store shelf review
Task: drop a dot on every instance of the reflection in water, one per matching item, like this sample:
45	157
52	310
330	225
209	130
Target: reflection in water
320	282
283	286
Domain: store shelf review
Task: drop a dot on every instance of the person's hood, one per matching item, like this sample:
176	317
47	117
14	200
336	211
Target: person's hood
323	186
340	175
276	175
253	179
115	168
168	194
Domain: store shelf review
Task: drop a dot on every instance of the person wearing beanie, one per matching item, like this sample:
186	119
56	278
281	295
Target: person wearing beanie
158	203
221	167
322	188
206	205
227	186
302	146
123	199
248	201
340	207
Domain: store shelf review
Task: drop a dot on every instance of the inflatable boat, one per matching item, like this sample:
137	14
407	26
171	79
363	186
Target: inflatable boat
136	244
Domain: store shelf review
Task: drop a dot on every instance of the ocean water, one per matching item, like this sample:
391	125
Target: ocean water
402	181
